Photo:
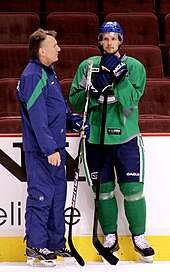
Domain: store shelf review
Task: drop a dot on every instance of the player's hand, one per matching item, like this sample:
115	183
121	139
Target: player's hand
109	62
54	159
102	81
112	63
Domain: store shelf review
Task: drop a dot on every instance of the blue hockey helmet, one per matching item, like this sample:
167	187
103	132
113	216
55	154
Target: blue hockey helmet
111	27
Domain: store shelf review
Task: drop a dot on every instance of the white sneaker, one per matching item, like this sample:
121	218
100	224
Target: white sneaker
144	250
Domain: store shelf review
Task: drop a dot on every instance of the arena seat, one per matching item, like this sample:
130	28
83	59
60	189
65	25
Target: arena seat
128	6
167	29
10	119
154	106
149	55
139	28
79	28
164	6
10	124
65	86
20	6
70	6
165	46
154	124
70	58
15	27
13	59
9	106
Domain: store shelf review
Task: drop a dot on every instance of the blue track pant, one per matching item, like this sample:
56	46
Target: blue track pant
45	223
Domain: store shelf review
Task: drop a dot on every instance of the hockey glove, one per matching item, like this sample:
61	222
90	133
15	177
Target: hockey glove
77	122
102	81
112	63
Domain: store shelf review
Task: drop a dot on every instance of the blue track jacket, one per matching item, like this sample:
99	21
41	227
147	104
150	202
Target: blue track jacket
43	109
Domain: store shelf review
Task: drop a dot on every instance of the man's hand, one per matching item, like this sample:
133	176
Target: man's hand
54	159
101	82
77	122
113	64
109	62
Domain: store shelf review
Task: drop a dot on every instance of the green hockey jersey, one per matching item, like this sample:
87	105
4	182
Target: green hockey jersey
122	102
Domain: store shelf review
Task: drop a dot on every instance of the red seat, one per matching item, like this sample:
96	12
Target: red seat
10	119
127	6
10	124
70	58
167	29
13	59
150	56
9	106
154	106
164	6
156	98
169	62
154	125
20	6
65	86
17	27
70	6
79	28
139	28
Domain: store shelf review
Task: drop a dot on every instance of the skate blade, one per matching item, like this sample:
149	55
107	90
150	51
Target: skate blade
31	261
49	263
145	259
69	260
115	253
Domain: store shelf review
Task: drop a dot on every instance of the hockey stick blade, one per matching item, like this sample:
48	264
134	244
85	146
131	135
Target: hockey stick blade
75	253
105	253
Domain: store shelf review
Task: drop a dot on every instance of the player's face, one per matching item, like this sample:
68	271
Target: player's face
110	42
51	50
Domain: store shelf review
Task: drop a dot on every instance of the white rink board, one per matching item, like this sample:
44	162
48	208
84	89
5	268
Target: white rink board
157	191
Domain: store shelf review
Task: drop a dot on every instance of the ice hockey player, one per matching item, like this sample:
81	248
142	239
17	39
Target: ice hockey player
123	157
45	118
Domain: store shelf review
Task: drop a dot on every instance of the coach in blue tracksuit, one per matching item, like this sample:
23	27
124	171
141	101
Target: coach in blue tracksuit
45	118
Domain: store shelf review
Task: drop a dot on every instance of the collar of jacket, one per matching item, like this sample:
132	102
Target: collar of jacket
48	69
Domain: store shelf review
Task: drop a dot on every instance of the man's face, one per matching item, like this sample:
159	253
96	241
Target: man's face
51	50
110	42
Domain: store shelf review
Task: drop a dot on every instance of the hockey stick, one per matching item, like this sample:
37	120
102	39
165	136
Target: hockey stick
75	253
96	242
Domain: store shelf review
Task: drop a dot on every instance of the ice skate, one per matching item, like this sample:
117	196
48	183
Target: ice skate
111	243
144	250
45	256
66	254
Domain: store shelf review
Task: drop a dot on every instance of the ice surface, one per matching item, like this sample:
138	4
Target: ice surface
122	266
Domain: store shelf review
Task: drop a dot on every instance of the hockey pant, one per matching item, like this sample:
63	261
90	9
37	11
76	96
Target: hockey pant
45	222
128	160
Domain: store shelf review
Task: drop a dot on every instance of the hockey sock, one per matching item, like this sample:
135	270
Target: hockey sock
135	206
108	211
